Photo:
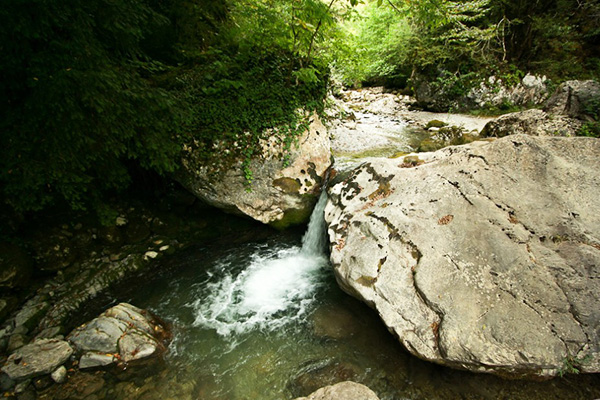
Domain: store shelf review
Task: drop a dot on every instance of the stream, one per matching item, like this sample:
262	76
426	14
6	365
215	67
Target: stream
266	320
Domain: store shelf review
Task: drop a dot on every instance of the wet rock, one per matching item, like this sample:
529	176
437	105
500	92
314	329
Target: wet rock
38	358
60	375
96	276
342	391
572	99
31	314
136	345
92	359
16	341
6	383
484	257
15	267
51	333
272	199
42	382
102	334
532	122
444	137
123	332
23	387
80	386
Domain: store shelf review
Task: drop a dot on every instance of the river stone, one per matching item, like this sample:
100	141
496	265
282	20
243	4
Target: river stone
485	257
59	375
136	345
31	314
123	332
92	359
101	334
280	195
342	391
38	358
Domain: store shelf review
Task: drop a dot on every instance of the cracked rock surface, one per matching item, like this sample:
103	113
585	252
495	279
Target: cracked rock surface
483	257
123	332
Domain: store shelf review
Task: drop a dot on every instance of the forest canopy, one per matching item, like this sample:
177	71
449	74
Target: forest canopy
94	91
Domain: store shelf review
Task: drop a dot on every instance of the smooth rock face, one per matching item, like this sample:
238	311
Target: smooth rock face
279	193
122	332
38	358
342	391
484	257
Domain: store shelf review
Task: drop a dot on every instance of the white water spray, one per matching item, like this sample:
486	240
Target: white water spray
275	287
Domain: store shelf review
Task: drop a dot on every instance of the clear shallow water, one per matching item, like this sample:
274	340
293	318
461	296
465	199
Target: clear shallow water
266	320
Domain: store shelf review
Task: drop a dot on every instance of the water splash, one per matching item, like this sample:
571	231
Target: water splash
276	286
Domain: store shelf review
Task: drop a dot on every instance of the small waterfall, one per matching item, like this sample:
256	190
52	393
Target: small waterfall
315	238
267	288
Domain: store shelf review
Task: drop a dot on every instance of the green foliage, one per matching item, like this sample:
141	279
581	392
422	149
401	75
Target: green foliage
592	128
241	98
94	89
572	365
453	40
372	45
75	101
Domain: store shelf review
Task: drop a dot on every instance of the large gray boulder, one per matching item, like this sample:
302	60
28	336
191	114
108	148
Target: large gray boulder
532	122
122	333
572	99
492	92
564	114
482	257
281	194
342	391
41	357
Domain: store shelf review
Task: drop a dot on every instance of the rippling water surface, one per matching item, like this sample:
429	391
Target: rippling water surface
266	320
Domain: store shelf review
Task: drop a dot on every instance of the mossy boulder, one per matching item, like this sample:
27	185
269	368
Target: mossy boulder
277	193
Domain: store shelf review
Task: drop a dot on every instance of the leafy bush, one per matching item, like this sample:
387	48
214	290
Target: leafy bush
239	98
76	101
592	128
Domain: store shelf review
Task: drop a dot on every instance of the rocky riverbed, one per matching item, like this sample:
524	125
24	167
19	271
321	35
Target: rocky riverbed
383	219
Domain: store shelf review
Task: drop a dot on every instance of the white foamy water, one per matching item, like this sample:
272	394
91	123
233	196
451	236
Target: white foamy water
274	288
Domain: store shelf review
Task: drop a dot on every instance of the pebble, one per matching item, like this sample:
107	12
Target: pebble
60	375
150	254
